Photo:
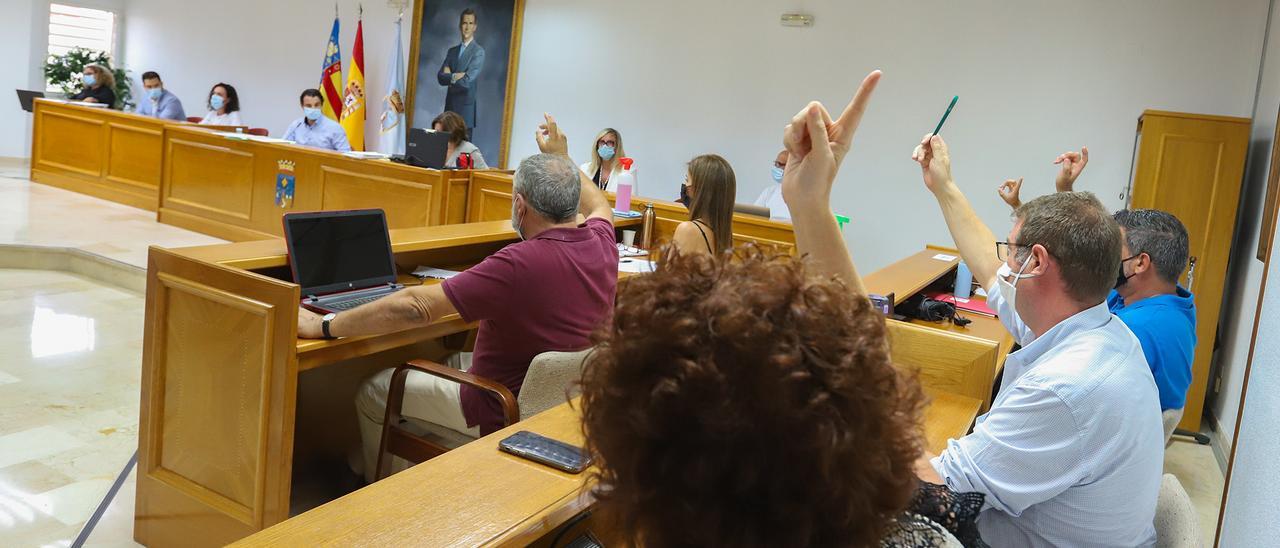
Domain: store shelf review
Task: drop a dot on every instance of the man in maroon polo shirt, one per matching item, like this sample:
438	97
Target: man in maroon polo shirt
547	292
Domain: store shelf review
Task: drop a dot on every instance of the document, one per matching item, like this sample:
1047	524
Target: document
434	273
635	266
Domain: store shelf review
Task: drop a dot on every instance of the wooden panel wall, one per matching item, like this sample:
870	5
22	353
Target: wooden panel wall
949	362
100	152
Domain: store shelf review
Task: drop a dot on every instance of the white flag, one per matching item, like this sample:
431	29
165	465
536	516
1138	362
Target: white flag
392	138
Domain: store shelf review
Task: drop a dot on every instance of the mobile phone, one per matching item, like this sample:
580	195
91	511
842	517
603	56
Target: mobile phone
544	450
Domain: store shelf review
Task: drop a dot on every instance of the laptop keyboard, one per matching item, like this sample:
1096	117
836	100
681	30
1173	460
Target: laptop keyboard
348	305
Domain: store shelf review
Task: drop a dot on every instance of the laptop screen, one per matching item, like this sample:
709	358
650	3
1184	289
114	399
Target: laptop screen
336	251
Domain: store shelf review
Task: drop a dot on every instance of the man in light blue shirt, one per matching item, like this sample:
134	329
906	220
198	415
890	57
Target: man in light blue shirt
1071	452
313	129
158	102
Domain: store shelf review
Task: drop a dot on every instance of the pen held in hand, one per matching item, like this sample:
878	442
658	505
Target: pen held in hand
946	114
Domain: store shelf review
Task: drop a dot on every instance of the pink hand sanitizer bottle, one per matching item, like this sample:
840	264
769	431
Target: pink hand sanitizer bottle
625	181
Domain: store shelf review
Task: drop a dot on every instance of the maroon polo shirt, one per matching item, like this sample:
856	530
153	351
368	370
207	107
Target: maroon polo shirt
535	296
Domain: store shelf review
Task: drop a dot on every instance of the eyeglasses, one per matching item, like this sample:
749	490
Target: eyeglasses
610	143
1002	250
780	165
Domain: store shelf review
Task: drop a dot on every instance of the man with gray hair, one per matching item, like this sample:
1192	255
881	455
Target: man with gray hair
1070	453
547	292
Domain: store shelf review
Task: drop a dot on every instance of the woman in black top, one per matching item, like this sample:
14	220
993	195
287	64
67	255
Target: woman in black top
99	86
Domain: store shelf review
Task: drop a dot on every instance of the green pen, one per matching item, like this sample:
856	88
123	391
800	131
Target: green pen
946	114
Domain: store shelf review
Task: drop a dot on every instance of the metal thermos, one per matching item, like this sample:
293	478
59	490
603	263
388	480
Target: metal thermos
648	219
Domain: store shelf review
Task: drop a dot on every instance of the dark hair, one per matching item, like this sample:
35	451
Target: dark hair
233	100
467	12
716	187
150	75
745	403
453	124
1160	235
311	92
1080	235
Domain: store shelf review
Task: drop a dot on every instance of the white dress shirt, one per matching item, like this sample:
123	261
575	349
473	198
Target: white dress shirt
771	197
1072	450
229	119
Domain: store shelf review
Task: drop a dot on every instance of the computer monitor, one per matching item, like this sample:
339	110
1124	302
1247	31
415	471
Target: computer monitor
751	209
426	148
334	251
27	98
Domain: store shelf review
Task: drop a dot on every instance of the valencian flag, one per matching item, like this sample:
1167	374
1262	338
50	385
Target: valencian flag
331	76
353	96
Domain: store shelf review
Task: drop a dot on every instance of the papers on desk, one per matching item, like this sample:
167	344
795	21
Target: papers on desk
365	155
635	266
627	214
434	273
258	138
630	251
81	103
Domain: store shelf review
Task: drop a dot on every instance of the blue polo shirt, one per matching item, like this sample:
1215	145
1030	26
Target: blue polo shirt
1166	327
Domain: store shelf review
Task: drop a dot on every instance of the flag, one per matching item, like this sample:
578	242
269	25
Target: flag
331	75
353	95
393	102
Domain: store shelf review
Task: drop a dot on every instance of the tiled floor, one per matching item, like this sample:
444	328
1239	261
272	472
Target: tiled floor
70	363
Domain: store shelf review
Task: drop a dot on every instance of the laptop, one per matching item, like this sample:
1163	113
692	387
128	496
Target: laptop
27	98
426	148
751	209
342	259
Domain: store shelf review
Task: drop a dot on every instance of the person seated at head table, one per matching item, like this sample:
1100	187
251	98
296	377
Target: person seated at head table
713	428
314	129
604	165
158	102
546	292
99	86
711	187
1071	451
224	106
1147	297
453	124
771	196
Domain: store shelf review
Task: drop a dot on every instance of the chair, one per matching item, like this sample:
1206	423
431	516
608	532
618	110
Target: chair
551	375
194	119
1176	522
259	131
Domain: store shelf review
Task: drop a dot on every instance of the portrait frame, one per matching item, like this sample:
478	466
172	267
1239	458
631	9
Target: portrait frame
512	71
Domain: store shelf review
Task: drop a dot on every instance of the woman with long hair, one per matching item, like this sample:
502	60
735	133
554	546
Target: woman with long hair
604	165
99	86
711	186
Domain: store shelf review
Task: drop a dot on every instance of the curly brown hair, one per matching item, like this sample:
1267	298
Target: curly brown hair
744	403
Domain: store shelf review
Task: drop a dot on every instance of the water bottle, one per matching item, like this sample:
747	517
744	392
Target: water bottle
964	281
647	226
625	181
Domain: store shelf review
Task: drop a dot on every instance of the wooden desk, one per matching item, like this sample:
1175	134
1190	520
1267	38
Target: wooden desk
490	199
101	152
478	496
225	186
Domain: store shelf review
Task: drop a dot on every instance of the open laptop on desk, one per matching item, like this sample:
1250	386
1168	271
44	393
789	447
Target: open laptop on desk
751	209
342	259
426	148
27	98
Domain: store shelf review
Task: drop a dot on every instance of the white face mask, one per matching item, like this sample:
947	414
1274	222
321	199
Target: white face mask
515	220
1009	290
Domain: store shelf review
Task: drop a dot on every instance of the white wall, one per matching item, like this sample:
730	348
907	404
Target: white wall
270	51
1251	513
1245	274
682	78
16	43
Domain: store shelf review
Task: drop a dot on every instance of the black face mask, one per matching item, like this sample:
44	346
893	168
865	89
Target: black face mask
684	195
1121	279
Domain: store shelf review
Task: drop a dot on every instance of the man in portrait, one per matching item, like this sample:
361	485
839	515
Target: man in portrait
461	68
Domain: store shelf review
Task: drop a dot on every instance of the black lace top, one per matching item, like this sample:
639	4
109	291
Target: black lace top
938	517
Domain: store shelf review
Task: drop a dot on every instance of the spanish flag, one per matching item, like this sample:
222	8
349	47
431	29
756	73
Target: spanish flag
331	76
353	97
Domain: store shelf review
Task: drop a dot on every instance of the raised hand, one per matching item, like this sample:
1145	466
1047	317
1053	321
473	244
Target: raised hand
1072	163
816	146
935	162
550	140
1009	192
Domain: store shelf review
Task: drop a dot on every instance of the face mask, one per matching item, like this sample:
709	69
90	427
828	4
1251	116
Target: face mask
1009	290
216	102
312	114
1121	279
684	195
155	93
90	80
777	174
606	152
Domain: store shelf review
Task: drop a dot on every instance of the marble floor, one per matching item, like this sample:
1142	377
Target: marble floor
70	364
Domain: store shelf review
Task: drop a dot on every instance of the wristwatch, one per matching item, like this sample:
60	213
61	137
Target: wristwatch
324	324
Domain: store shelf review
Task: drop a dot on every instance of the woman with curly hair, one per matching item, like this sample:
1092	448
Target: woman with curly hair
752	401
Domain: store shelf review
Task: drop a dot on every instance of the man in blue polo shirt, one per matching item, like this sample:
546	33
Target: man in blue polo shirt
1149	300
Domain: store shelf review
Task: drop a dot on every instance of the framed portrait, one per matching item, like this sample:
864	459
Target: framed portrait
1271	201
463	57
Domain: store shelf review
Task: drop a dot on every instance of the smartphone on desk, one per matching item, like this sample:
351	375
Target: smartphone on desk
544	450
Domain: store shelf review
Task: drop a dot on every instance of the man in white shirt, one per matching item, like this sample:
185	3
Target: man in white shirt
771	196
1071	452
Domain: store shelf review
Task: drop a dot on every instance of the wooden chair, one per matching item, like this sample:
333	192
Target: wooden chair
194	119
548	383
259	131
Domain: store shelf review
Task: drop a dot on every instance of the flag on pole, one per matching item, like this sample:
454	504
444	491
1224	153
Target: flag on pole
353	96
393	102
331	75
